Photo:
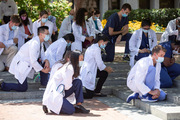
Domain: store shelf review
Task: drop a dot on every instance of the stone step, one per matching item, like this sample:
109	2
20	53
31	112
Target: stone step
126	109
165	110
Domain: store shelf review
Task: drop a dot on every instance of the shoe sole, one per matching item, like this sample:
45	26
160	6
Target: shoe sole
45	109
145	100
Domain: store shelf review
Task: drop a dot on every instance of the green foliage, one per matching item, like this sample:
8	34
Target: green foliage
158	16
59	8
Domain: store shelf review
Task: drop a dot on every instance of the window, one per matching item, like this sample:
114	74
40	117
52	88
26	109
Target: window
166	3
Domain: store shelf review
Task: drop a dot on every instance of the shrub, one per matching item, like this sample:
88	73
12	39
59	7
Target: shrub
158	16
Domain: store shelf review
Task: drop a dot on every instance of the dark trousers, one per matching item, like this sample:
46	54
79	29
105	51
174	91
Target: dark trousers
67	107
54	37
102	75
168	74
110	48
44	77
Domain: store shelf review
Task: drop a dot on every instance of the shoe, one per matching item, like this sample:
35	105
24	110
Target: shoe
148	98
81	109
132	96
126	58
99	95
45	109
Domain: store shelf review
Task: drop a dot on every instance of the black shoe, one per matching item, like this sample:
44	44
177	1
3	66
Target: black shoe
99	95
45	109
126	58
81	109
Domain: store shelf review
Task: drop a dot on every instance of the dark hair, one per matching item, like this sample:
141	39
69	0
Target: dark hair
101	36
15	19
25	22
66	56
42	29
146	22
126	6
96	12
75	62
157	49
80	16
69	36
43	13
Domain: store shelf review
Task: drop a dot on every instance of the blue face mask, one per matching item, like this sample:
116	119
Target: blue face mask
160	59
178	26
71	17
145	31
124	15
14	27
44	20
47	37
68	44
49	17
95	18
102	46
81	63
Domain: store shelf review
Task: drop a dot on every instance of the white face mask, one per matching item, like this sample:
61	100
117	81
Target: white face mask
160	59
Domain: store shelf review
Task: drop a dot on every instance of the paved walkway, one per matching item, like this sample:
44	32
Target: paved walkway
33	111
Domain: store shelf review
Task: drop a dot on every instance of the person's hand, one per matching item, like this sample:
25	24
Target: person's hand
15	40
30	36
46	65
90	39
141	51
108	69
53	33
155	93
118	39
49	41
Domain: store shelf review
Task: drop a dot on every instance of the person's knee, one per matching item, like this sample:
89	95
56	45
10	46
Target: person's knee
77	82
71	111
23	88
14	49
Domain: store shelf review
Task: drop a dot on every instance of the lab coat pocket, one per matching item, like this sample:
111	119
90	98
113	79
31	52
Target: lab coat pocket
23	67
89	78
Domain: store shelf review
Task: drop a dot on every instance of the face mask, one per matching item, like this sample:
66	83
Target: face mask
44	20
23	18
86	17
145	31
71	17
102	46
178	26
160	59
47	37
49	17
69	44
81	63
14	27
96	18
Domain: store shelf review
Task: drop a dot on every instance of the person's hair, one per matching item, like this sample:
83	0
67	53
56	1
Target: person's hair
126	6
25	22
157	49
146	22
96	12
42	29
80	16
43	13
66	56
178	19
101	36
75	62
15	19
69	37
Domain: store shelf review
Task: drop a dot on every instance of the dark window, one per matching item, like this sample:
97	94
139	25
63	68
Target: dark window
144	4
166	3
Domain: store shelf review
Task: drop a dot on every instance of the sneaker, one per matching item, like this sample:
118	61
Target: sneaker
99	95
45	109
148	98
81	109
132	96
126	58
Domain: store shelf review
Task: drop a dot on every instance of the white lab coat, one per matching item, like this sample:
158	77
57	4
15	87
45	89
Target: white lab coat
92	61
4	36
26	59
37	24
7	9
51	98
98	24
137	75
135	43
170	30
55	51
65	27
79	38
22	35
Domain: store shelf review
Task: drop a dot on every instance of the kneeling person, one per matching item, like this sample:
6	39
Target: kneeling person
144	77
26	61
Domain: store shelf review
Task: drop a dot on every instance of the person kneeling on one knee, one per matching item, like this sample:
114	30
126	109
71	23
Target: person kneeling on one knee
144	77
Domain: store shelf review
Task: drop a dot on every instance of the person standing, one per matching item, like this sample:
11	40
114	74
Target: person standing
117	30
7	9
